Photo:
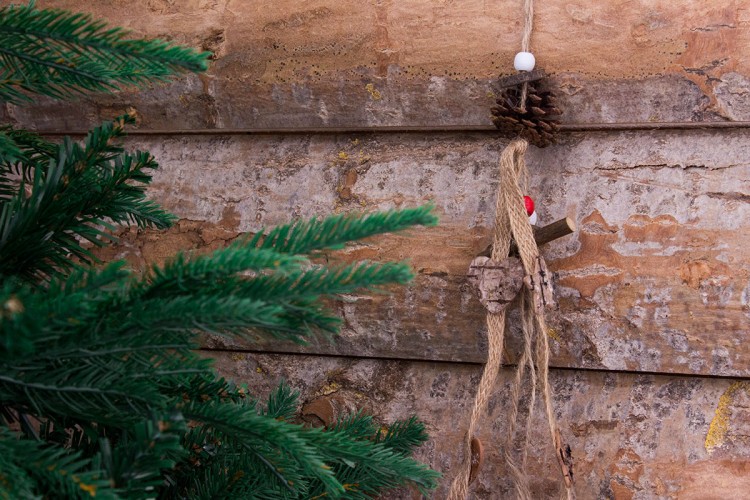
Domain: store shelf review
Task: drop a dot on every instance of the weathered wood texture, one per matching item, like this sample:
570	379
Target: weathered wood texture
632	436
421	62
655	279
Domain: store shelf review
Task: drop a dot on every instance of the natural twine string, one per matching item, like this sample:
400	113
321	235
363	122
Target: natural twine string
512	222
528	25
528	19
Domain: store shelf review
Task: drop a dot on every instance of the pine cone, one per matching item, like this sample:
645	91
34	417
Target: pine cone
538	124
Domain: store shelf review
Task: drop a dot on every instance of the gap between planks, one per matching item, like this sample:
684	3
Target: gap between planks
477	363
565	127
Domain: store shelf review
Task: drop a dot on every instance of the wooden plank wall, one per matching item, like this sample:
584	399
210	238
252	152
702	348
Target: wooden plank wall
309	109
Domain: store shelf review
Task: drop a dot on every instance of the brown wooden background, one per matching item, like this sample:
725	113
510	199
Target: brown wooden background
318	107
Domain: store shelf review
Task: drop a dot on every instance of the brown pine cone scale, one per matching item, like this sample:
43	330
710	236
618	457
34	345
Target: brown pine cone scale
538	122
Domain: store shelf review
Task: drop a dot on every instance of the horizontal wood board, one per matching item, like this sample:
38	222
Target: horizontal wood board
656	279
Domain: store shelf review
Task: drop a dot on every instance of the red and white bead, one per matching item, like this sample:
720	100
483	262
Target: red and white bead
529	204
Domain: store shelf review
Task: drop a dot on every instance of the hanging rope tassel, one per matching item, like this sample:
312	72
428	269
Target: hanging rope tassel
511	223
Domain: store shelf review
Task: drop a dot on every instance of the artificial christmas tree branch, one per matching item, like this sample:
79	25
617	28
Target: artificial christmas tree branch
333	232
62	54
74	191
101	391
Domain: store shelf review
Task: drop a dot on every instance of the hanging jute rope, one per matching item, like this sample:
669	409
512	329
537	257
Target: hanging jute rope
528	25
512	223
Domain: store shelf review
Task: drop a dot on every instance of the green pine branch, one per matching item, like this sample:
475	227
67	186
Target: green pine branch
29	469
267	437
313	453
289	288
75	195
333	280
215	481
185	275
282	403
33	323
107	400
403	436
20	152
98	367
136	462
68	357
10	152
62	54
333	232
216	315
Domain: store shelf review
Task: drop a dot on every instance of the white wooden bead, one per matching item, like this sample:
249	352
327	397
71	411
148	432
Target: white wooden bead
524	61
533	219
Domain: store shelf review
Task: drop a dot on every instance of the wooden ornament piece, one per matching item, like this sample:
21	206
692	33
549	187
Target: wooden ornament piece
322	408
477	458
564	458
542	235
557	229
519	78
541	285
498	283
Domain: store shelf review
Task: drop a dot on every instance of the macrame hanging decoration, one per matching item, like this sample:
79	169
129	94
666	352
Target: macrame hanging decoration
502	280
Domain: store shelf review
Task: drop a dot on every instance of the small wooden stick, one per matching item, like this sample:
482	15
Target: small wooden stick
520	78
557	229
542	235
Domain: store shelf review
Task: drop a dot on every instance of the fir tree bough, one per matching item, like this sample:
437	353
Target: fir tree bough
61	54
102	394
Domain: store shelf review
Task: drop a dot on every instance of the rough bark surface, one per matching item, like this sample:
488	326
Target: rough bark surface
655	279
654	287
422	62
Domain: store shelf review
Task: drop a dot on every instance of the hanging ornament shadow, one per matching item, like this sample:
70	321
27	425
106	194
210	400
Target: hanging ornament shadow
535	116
